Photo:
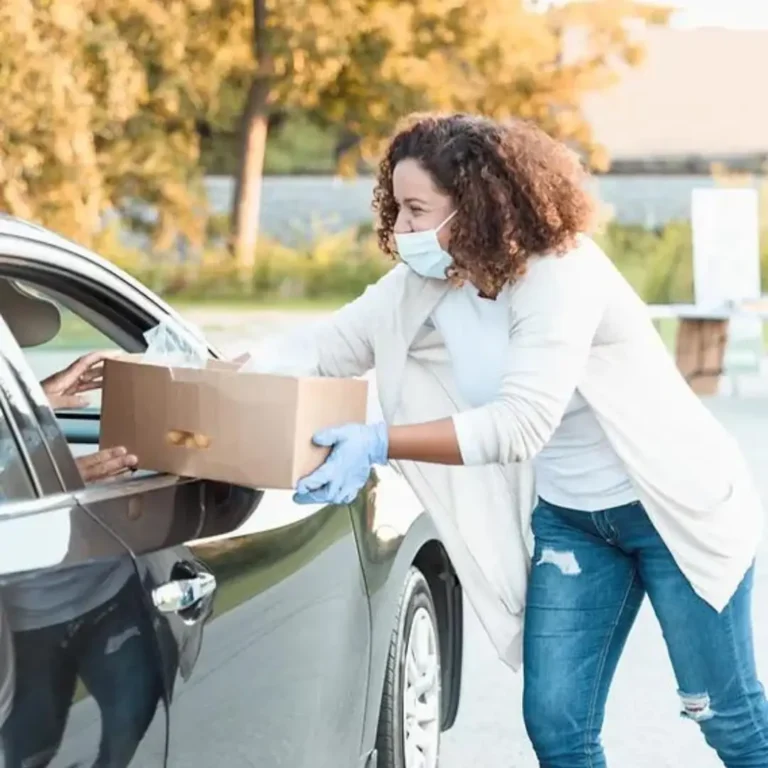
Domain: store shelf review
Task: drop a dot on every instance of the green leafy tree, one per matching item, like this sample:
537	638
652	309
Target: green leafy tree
100	102
103	101
357	66
297	49
497	57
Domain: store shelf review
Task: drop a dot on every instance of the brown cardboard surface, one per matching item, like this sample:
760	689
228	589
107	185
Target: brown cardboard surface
324	403
216	423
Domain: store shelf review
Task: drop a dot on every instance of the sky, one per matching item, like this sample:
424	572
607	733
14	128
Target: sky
734	14
740	14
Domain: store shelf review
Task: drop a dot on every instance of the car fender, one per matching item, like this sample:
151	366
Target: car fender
387	550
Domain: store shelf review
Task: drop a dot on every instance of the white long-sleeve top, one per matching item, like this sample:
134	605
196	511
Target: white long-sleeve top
577	468
574	324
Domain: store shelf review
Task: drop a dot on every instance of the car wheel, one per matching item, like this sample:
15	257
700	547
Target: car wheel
409	722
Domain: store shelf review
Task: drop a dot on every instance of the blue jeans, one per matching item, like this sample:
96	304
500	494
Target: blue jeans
112	650
589	576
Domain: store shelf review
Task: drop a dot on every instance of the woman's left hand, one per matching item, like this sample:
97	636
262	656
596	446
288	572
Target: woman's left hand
355	449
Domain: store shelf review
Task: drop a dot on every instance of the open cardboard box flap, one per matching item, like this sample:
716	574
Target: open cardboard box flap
219	424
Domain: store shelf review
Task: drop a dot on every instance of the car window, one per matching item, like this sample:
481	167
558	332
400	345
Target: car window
15	482
63	342
75	338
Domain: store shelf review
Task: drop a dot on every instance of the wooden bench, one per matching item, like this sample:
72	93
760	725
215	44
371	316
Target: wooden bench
702	339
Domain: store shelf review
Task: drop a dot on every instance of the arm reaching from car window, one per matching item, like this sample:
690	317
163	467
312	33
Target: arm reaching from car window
66	389
105	464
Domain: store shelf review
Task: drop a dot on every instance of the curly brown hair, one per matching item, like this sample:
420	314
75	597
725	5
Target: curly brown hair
517	192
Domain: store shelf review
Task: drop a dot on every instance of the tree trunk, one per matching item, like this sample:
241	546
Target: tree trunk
246	205
346	142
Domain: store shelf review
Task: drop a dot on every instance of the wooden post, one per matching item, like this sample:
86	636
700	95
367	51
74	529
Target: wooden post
700	352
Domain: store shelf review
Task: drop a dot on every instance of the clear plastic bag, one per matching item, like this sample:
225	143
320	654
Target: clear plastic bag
166	347
284	354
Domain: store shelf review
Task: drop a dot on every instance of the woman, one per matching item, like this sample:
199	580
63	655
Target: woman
508	347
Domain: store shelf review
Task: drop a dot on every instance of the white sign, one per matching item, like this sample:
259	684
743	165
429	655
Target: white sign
726	246
726	266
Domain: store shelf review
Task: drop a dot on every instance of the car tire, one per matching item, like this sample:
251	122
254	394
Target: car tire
409	720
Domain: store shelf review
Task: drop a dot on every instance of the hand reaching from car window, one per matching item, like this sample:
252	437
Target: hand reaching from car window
105	464
66	388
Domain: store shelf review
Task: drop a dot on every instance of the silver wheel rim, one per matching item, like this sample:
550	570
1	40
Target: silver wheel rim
421	693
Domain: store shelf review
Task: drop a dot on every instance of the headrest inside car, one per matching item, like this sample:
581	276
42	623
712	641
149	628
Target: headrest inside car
31	319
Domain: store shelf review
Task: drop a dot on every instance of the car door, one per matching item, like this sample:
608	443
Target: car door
80	677
273	671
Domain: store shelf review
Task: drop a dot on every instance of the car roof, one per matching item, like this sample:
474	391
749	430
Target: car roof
13	226
16	227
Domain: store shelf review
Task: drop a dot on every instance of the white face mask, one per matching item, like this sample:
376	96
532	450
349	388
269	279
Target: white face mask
422	252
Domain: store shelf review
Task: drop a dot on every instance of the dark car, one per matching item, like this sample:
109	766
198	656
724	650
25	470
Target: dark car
152	620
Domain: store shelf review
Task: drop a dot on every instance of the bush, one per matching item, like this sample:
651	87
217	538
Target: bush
338	267
658	263
330	267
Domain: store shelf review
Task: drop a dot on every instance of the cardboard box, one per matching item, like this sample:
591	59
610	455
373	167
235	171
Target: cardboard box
216	423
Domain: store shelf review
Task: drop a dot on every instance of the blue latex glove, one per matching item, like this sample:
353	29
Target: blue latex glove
355	449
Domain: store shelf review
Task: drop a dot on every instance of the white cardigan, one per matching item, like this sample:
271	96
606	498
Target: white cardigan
574	323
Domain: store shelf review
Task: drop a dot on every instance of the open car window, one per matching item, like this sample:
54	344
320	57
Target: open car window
75	338
54	329
78	335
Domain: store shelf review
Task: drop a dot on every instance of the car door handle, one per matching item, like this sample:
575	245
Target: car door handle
182	594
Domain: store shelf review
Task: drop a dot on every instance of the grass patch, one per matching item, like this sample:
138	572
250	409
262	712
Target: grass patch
247	304
76	333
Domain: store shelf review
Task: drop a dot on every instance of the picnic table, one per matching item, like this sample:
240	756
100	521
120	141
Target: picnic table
702	338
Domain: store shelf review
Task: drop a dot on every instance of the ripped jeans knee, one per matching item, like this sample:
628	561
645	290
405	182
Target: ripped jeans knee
696	706
736	730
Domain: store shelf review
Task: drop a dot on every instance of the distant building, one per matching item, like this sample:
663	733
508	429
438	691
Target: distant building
696	99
